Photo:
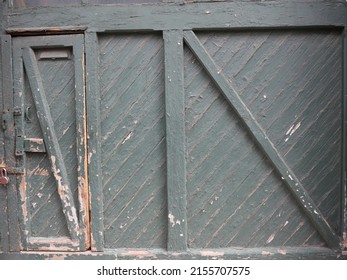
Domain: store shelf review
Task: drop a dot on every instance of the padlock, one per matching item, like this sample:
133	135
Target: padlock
4	180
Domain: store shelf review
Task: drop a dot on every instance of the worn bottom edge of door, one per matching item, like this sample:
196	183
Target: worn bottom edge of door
268	253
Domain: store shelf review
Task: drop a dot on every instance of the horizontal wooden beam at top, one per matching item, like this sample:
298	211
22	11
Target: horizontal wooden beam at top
189	16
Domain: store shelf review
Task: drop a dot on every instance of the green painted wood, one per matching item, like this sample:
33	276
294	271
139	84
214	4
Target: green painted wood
344	137
94	142
12	201
133	146
41	210
314	53
293	184
175	141
18	89
5	82
234	196
236	14
51	140
291	70
265	253
81	140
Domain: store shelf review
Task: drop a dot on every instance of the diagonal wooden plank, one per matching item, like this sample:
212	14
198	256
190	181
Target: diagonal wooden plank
253	127
51	140
175	139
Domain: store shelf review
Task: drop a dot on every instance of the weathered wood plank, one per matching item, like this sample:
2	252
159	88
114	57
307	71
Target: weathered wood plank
344	142
175	141
81	140
18	100
5	93
51	140
236	14
133	150
94	142
7	87
293	184
262	253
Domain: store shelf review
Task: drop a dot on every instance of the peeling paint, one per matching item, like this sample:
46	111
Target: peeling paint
211	254
171	219
130	134
40	171
266	253
138	253
282	251
89	157
272	236
293	128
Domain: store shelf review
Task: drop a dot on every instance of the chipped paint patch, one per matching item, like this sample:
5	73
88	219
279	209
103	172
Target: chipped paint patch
293	128
272	236
130	134
57	257
139	254
171	219
282	251
41	171
211	254
266	253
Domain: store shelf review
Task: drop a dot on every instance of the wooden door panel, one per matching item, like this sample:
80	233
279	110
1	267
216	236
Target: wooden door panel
284	88
291	81
235	198
49	93
133	146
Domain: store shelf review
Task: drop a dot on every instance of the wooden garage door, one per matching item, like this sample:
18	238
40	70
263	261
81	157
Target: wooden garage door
215	140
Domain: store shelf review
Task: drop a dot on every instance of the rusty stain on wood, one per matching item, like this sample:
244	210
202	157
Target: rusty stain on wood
138	254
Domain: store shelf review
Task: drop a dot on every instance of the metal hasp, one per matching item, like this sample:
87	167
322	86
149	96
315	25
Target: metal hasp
4	180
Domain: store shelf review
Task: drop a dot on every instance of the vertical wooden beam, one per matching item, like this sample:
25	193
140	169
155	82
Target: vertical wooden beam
9	135
94	142
81	141
255	130
51	140
175	140
343	219
5	92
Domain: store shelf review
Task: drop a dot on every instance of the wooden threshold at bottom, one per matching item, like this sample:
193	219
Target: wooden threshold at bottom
266	253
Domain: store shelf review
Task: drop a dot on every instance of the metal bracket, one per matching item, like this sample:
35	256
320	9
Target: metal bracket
5	119
19	151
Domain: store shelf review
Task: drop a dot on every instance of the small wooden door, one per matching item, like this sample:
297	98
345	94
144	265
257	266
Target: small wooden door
50	139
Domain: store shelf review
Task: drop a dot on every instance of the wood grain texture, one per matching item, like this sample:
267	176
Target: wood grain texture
344	135
5	82
94	142
7	85
262	140
46	195
235	198
133	146
221	46
236	14
307	131
54	152
175	141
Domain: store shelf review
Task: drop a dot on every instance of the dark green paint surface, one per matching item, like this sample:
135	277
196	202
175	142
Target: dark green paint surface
221	142
133	146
